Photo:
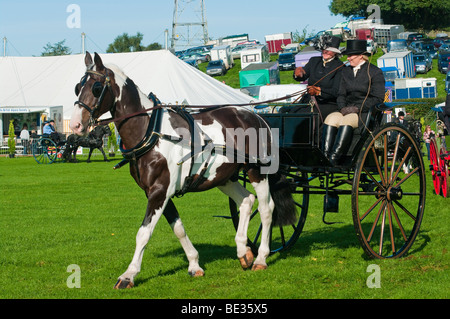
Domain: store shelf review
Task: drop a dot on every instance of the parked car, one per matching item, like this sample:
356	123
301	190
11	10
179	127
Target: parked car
423	62
200	58
286	61
190	61
216	67
203	50
445	46
443	61
430	48
415	37
447	82
415	46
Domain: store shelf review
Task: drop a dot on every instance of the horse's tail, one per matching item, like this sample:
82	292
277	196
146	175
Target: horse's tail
285	212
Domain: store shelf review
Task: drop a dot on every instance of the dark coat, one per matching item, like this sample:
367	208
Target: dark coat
354	90
315	71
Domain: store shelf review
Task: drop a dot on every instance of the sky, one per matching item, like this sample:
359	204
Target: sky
29	25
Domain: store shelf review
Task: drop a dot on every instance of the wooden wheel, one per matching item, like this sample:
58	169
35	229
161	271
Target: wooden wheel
45	151
388	211
282	238
434	166
443	165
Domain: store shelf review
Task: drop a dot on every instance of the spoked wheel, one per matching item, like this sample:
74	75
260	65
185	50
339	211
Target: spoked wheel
443	164
45	151
434	166
281	238
388	193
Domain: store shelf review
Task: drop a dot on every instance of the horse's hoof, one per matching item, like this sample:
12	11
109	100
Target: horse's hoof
198	273
247	260
123	284
257	267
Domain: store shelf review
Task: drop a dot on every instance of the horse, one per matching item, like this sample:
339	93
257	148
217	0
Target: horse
93	141
171	151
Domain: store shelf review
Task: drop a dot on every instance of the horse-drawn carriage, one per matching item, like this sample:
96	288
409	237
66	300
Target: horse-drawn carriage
48	148
53	147
387	202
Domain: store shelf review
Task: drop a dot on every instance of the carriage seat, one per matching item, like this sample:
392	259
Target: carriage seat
371	120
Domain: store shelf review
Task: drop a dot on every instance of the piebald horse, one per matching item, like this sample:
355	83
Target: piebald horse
157	141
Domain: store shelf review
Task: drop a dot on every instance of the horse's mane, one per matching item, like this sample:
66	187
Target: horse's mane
122	77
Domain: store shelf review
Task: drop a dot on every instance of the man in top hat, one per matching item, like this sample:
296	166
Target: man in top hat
323	74
362	86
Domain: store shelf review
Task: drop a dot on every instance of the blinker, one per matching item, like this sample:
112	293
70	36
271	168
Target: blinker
97	89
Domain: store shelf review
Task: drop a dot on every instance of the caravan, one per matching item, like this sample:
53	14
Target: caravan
223	53
254	54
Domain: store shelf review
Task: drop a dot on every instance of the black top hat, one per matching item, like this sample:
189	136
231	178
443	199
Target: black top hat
356	47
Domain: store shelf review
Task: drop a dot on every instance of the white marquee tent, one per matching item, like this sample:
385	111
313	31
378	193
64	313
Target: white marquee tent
42	82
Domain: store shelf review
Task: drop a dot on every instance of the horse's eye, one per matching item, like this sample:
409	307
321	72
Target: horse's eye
97	89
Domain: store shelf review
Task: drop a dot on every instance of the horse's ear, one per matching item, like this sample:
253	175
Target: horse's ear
98	62
88	60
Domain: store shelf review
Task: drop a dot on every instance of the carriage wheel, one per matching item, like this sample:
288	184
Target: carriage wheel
443	164
281	238
388	193
434	166
44	151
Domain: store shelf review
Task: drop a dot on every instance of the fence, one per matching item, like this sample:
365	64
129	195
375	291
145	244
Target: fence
22	146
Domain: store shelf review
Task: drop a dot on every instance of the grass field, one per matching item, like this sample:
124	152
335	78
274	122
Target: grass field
58	215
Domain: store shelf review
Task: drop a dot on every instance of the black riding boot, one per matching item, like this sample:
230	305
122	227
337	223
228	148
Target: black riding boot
342	143
328	137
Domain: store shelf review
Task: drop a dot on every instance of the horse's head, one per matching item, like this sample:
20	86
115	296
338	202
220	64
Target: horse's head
97	92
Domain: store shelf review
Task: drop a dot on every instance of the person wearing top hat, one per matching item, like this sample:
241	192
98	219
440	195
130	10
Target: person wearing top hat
362	86
401	119
323	74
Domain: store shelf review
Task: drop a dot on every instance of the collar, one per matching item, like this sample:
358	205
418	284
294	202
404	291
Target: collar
327	61
356	68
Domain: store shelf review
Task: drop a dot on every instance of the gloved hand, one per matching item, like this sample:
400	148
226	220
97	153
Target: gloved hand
314	90
299	72
349	110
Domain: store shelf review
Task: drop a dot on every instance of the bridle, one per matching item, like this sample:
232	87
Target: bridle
98	90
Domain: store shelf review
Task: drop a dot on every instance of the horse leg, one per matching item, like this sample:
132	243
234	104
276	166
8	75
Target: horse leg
244	200
265	208
154	211
174	221
74	152
90	153
104	155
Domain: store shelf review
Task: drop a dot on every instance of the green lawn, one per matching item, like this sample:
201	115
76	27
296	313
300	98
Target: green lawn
54	216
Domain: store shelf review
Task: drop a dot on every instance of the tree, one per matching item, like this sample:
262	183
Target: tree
58	48
299	37
126	43
11	140
412	14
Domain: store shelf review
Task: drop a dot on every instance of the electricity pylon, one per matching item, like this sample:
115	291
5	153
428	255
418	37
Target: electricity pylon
189	27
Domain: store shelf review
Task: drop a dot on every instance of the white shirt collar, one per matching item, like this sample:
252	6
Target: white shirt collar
356	68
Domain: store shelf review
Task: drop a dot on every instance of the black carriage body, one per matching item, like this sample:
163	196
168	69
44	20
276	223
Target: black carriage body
298	138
